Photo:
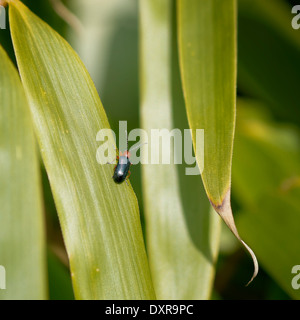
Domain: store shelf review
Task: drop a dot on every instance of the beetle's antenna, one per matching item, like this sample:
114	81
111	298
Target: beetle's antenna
138	146
126	138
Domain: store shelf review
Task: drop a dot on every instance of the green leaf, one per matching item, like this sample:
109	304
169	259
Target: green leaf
22	233
182	235
207	45
99	219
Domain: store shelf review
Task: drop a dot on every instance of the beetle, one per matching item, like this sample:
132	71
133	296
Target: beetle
121	170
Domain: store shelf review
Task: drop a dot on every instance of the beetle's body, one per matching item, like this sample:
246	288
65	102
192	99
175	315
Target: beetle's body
122	172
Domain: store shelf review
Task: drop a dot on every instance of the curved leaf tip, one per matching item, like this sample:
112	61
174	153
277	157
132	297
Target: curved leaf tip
225	211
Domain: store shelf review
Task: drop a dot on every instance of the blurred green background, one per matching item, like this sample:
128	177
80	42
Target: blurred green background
266	161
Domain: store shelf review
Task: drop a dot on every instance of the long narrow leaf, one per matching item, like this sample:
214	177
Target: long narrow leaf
22	232
207	45
182	235
99	219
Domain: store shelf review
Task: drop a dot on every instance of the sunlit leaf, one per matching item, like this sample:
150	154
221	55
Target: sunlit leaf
99	219
22	232
182	235
207	45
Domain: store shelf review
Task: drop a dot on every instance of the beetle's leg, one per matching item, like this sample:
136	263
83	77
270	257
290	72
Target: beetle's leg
117	158
129	173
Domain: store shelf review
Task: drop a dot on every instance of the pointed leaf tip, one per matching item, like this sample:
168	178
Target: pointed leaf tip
225	211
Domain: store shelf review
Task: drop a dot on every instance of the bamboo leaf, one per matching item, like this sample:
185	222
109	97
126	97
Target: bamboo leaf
207	45
99	219
22	233
182	235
